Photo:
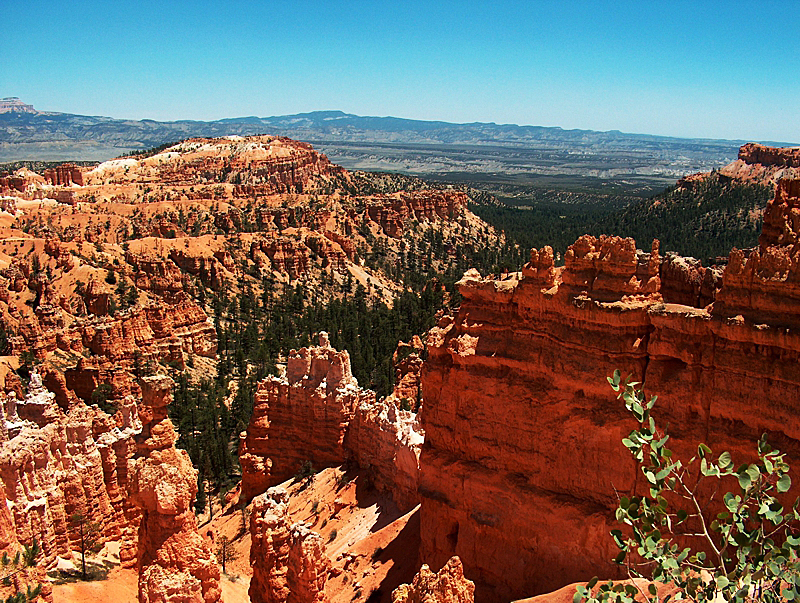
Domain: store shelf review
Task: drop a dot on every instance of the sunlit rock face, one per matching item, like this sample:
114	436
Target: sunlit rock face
522	461
318	413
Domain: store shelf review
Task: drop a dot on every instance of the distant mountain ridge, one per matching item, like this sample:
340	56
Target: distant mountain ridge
356	141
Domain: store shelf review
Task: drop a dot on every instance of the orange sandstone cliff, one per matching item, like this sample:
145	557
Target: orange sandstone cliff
522	462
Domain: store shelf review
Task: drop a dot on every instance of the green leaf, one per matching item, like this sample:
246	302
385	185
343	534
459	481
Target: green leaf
653	590
722	582
725	460
577	597
590	584
784	483
788	594
703	450
621	557
744	480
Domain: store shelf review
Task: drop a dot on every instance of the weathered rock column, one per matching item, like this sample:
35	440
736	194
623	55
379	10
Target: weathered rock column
289	562
175	564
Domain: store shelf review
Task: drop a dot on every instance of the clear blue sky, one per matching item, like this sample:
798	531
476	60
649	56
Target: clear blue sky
697	69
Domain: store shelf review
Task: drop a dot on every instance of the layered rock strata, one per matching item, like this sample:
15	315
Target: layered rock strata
256	165
157	331
318	413
175	563
522	462
288	559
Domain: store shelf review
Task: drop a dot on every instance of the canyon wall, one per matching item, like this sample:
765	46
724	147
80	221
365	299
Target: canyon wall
318	413
522	461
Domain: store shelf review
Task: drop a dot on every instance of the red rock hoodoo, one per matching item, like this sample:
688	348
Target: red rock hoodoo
174	561
446	586
288	560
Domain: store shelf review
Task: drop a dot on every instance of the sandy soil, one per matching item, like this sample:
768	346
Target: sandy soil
120	587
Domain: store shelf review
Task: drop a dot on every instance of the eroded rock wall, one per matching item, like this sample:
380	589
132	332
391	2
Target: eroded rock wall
318	413
57	464
302	417
288	559
522	461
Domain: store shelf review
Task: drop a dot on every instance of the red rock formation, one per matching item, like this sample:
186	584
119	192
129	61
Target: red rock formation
764	286
65	174
243	167
753	153
156	274
59	467
173	559
686	281
520	424
165	330
97	297
610	268
207	268
319	414
757	163
303	417
386	442
447	586
392	212
288	560
331	253
22	183
287	255
407	367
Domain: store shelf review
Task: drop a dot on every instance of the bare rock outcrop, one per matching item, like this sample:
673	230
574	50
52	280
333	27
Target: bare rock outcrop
448	585
763	285
256	165
762	164
58	464
174	561
288	560
393	212
386	441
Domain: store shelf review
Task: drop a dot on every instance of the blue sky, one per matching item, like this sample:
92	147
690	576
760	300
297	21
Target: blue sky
696	69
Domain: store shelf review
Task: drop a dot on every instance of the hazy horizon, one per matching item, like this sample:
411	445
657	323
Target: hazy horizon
682	69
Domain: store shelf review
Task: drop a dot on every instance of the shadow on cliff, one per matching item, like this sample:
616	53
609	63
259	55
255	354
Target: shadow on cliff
403	553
